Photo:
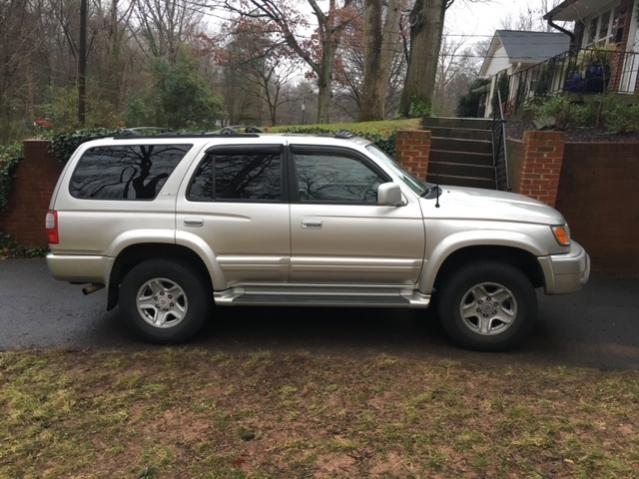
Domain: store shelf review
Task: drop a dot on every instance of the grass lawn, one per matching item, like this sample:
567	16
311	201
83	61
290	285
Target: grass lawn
383	128
184	412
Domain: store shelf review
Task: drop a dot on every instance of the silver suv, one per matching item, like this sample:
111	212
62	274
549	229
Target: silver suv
175	225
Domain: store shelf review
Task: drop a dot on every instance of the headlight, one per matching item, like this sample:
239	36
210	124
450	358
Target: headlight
562	234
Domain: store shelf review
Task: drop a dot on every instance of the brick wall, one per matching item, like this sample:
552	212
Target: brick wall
599	196
618	61
36	177
413	151
542	156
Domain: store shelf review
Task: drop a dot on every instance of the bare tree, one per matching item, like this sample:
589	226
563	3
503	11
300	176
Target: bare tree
164	26
319	51
457	68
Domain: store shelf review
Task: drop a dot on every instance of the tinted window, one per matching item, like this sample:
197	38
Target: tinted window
335	178
249	175
135	172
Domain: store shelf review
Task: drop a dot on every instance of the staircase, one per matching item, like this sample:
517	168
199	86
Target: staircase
461	152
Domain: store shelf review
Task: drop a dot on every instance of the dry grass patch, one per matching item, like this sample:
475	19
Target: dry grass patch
181	412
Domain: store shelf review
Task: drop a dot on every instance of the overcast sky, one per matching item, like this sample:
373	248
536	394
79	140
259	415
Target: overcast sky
483	18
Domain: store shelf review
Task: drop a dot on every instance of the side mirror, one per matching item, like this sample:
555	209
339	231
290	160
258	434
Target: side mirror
389	194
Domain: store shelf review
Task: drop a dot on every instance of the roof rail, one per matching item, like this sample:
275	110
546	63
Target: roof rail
129	135
159	132
345	135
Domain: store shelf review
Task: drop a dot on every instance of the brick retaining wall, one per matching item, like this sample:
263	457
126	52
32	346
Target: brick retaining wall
413	151
599	196
36	177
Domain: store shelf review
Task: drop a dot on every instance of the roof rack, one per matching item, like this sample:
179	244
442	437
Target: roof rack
127	135
227	132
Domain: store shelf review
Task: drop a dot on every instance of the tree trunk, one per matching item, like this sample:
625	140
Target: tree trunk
427	25
380	45
324	79
82	64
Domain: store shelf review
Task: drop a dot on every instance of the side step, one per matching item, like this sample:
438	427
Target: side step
304	297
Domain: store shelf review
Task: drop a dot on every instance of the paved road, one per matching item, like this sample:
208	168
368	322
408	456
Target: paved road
598	327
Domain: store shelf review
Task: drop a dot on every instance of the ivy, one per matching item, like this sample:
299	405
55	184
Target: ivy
9	248
10	156
64	144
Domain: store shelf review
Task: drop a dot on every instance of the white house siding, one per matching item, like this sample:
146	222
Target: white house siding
631	65
498	62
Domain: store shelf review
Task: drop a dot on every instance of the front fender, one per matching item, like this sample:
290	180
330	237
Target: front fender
458	241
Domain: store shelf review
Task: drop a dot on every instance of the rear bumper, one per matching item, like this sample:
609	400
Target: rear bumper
566	273
80	268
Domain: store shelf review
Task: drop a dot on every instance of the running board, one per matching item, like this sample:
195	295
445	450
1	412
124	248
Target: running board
365	298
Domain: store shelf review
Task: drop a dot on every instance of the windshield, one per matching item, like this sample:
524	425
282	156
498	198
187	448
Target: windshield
418	186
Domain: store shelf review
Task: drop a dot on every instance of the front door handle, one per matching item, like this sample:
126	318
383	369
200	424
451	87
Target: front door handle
194	222
312	223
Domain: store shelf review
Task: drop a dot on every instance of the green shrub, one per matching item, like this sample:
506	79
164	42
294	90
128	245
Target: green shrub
10	156
179	96
619	116
385	141
10	249
64	144
560	113
469	103
614	114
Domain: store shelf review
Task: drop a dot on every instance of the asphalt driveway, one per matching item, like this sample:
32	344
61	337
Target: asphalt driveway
598	327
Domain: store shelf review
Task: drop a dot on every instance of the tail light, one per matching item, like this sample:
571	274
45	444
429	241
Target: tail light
51	226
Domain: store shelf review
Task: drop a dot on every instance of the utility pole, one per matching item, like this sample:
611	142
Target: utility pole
82	64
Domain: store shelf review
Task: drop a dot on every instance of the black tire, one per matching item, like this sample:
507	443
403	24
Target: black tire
457	287
196	290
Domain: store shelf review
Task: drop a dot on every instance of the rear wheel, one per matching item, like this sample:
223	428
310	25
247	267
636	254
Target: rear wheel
487	306
165	301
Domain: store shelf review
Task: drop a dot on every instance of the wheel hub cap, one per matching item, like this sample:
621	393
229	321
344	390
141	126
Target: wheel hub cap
162	303
488	309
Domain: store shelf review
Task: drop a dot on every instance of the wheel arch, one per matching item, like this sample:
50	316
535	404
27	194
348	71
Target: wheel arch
521	258
134	254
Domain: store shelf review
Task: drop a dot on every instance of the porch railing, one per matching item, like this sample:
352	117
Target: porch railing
500	151
587	71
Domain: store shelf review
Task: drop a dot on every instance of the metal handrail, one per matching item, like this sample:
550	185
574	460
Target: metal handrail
500	145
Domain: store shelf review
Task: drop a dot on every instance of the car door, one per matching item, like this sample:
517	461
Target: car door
339	233
236	200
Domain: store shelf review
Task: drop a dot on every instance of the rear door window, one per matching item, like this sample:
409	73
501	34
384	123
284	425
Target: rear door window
125	172
244	174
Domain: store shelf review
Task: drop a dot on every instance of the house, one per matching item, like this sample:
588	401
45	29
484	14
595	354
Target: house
603	56
609	25
513	51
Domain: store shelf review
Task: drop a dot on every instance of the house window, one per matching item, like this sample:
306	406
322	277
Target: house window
608	27
604	27
618	25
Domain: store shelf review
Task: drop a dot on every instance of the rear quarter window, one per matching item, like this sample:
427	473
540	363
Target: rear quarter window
125	172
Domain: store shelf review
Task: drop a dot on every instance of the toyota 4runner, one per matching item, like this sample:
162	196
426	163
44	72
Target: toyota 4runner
175	225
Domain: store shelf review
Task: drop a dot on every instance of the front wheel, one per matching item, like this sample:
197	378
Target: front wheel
487	306
165	301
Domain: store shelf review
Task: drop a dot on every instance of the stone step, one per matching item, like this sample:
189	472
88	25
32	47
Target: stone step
464	134
462	144
472	123
464	157
459	169
462	181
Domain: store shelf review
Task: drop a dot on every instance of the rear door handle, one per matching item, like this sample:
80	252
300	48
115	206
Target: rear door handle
194	222
312	223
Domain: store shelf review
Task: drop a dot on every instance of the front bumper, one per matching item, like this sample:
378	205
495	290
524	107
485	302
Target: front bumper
566	273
